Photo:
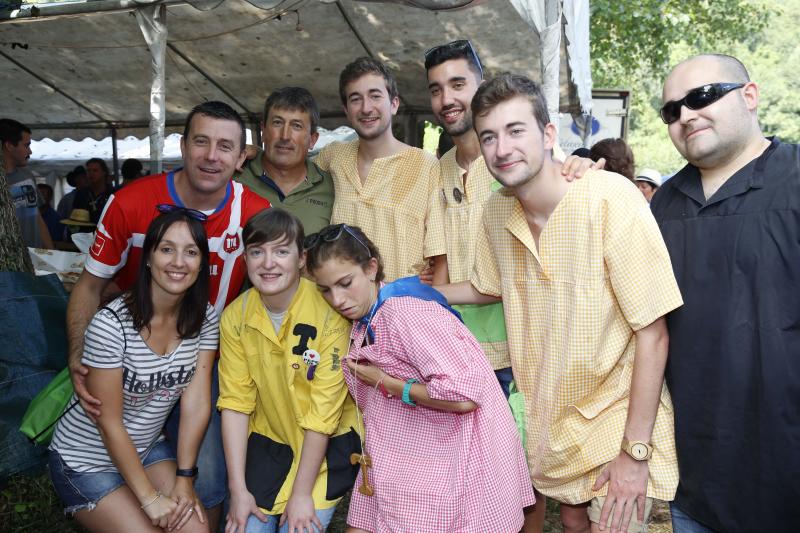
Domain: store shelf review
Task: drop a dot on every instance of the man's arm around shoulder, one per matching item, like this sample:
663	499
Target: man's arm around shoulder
83	303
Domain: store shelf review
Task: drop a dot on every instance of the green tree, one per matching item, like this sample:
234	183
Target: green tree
633	45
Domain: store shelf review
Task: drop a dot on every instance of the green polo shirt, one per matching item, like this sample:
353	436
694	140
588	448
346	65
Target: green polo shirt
311	201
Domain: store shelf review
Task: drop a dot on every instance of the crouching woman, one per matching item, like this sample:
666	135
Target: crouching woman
146	350
287	419
444	453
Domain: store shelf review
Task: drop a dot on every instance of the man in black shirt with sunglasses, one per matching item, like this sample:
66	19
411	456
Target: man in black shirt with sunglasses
731	221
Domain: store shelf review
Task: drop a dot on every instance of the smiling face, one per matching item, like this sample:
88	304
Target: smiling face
347	287
175	261
717	133
513	145
274	270
287	137
211	152
452	85
368	106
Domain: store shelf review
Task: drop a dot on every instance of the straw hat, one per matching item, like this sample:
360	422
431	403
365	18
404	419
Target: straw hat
78	217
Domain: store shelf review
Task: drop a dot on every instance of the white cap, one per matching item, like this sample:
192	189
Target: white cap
650	176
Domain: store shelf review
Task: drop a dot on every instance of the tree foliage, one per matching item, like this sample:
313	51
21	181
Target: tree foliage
634	44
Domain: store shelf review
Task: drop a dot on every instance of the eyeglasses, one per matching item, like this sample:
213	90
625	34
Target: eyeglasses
697	99
462	46
191	213
331	234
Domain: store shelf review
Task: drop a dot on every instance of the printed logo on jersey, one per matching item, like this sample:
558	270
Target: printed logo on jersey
99	243
230	243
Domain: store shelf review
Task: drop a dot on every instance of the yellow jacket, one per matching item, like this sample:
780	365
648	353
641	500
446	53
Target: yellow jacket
274	379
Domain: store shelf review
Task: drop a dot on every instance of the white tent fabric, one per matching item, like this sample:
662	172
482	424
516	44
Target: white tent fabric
84	75
152	21
576	29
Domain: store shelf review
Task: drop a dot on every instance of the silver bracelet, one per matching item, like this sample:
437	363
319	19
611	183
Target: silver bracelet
156	497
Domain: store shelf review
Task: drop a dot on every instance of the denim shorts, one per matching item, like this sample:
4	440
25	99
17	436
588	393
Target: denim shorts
211	484
83	490
254	525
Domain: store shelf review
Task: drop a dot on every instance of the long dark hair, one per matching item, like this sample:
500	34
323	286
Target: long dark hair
192	312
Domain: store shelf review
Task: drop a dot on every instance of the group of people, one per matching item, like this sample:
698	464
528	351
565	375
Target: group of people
339	369
41	224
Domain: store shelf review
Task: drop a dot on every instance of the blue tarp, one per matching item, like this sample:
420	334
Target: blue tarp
33	349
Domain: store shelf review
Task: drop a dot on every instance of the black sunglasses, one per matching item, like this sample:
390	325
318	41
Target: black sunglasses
462	46
697	99
331	234
191	213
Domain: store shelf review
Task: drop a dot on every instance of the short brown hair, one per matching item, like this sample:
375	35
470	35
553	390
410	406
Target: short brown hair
273	224
294	99
362	66
505	87
350	245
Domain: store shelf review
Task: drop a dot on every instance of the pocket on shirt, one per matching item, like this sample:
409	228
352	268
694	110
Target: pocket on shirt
268	465
341	474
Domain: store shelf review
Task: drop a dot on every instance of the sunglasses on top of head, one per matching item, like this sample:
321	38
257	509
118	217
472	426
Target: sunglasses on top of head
191	213
697	98
463	45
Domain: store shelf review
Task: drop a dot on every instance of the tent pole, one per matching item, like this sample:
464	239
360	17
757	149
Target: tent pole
117	181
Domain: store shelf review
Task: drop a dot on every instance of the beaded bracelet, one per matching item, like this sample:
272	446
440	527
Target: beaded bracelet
156	497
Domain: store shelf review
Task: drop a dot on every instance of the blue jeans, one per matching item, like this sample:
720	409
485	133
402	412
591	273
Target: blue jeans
504	377
83	490
683	523
211	484
254	525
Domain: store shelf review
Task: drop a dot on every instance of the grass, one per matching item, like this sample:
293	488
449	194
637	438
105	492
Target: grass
28	504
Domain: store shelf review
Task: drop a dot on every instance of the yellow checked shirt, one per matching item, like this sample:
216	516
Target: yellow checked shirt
397	206
266	376
464	204
601	273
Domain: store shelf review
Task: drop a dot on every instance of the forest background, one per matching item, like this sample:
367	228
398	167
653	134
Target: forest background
634	45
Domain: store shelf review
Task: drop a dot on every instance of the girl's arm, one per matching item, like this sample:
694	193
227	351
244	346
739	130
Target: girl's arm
105	384
374	377
195	411
300	511
235	429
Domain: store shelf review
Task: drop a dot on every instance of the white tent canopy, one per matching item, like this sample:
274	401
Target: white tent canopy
85	75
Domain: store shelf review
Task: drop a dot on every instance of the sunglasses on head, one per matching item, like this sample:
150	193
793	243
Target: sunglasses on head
191	213
697	98
462	45
331	234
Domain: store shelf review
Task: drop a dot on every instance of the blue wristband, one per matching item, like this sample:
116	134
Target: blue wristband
406	392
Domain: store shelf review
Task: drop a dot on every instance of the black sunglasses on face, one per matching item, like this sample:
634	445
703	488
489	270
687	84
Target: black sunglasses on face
331	234
697	99
462	45
191	213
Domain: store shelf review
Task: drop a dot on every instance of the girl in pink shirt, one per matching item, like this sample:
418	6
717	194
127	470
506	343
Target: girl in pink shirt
443	449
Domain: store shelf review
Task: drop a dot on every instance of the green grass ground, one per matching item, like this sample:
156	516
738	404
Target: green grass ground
28	504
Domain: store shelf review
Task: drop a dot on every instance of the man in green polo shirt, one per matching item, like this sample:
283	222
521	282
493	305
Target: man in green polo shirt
282	172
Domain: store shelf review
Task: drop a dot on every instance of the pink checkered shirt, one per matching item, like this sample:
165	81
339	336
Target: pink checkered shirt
434	471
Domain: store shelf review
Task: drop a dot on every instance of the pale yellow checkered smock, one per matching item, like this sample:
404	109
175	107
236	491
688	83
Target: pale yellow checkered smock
571	313
462	222
397	206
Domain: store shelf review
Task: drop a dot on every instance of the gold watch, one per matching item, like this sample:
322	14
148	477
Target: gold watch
641	451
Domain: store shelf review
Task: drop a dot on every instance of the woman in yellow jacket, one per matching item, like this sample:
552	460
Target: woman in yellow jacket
288	422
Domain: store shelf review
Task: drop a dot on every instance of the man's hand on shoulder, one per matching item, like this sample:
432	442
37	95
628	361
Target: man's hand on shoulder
575	167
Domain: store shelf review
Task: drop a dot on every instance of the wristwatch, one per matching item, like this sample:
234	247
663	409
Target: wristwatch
641	451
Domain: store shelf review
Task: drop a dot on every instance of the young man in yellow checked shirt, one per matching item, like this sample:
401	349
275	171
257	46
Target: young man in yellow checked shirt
586	331
384	186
